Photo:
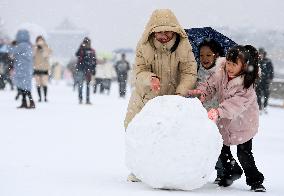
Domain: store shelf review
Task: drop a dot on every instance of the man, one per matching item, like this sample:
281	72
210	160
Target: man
267	74
164	64
122	67
86	67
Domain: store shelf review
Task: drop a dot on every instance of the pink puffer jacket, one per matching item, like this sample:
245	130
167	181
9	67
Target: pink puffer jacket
238	108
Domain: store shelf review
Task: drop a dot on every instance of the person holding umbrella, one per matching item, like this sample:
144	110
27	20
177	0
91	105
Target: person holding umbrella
208	45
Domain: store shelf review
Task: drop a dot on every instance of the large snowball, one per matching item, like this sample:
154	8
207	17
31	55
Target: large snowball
171	144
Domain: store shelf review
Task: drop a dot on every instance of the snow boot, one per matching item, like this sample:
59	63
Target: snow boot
228	180
217	180
220	171
45	93
258	188
32	104
24	104
132	178
232	172
39	93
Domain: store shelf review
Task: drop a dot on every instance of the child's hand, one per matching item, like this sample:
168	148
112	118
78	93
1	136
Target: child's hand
197	93
213	114
155	84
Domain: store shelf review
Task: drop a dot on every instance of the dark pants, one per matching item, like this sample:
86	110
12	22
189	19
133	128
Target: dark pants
84	77
25	93
99	82
107	83
122	81
2	82
262	91
246	159
76	78
122	88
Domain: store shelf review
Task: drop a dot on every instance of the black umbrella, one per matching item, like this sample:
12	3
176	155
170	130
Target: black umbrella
197	35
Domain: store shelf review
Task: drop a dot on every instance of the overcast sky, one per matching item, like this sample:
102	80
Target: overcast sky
119	23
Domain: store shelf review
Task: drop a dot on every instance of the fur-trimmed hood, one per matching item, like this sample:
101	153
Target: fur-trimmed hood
164	20
220	67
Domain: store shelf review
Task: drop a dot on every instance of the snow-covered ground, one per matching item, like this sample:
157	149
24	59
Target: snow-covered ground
65	149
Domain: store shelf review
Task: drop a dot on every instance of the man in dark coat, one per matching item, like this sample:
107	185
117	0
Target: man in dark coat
267	74
85	68
122	67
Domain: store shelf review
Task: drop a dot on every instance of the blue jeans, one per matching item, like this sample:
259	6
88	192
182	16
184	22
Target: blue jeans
81	78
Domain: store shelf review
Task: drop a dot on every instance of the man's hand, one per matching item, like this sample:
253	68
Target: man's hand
155	84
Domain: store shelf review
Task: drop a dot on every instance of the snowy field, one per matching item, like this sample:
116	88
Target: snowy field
65	149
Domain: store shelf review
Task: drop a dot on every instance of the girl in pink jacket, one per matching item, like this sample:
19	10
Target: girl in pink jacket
237	116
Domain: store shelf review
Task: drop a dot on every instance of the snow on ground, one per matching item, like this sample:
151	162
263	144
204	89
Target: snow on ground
65	149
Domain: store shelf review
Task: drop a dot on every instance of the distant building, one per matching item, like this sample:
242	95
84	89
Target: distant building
64	41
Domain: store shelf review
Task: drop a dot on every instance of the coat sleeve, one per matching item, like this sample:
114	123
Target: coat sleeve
94	61
143	74
209	86
188	74
235	105
13	50
212	84
78	53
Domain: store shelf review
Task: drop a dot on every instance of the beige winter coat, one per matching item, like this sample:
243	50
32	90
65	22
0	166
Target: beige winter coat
177	70
41	58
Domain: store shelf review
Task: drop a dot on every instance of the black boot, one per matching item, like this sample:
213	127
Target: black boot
231	169
24	104
32	104
45	93
39	93
220	171
232	172
258	188
217	179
